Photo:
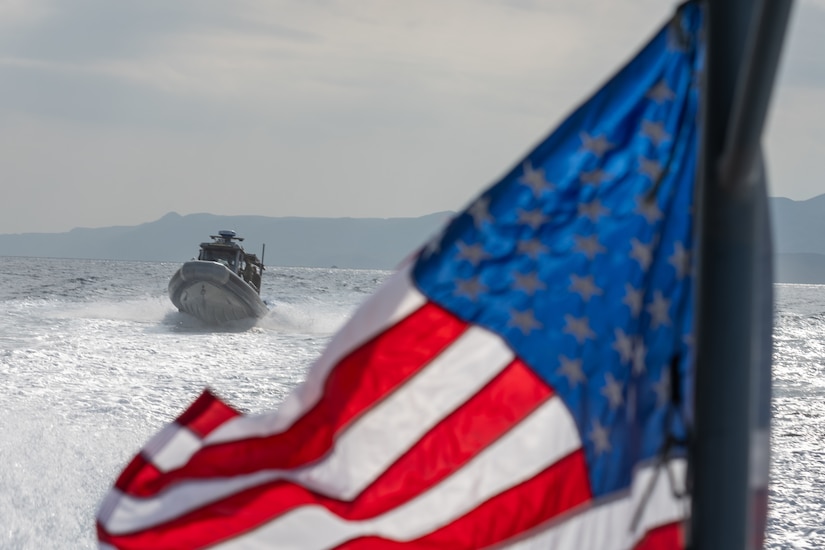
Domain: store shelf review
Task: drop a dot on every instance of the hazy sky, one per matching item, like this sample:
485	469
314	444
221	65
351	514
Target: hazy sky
116	113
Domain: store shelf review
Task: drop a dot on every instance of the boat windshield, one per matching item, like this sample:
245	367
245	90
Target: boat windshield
225	257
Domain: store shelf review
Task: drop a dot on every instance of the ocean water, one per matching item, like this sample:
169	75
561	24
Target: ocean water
94	360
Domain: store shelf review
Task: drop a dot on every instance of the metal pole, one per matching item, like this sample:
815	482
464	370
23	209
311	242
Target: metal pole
753	93
734	288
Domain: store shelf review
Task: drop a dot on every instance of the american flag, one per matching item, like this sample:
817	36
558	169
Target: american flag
522	382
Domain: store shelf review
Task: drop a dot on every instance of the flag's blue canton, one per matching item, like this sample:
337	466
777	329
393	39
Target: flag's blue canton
580	257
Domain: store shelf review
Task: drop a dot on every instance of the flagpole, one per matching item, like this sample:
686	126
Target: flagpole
730	444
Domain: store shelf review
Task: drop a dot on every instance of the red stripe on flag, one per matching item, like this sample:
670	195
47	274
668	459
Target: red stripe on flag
666	537
137	474
503	403
500	405
556	490
205	414
361	379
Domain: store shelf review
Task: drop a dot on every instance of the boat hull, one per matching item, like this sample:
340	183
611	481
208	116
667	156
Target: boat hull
214	294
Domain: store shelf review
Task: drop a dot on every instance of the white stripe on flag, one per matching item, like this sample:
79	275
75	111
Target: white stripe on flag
364	450
394	301
175	452
601	526
390	428
398	300
131	514
519	455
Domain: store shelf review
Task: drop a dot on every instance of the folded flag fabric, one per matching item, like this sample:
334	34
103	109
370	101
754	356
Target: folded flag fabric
522	382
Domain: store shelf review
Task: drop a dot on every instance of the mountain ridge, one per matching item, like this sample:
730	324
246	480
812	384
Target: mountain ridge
362	243
367	243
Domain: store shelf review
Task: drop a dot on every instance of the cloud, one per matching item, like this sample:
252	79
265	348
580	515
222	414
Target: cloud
299	52
202	66
380	108
22	12
802	63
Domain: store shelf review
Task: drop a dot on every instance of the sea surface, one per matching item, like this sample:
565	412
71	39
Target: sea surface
94	360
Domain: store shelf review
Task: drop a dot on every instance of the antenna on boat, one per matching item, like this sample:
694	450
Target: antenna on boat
263	249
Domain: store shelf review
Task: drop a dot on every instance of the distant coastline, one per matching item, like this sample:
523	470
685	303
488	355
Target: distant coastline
362	243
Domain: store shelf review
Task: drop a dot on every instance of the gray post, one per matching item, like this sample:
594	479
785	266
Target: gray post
734	287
